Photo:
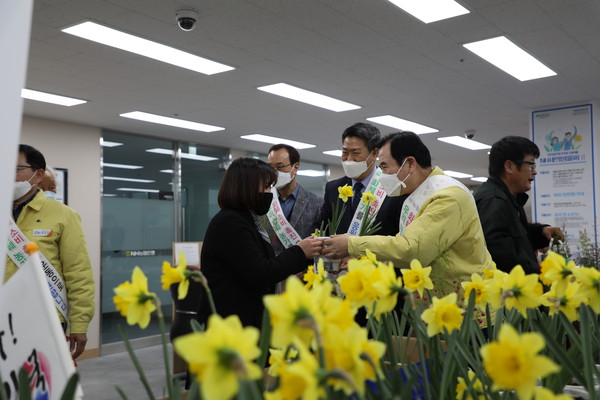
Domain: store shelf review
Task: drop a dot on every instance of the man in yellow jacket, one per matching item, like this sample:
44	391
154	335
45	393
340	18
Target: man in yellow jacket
56	229
439	224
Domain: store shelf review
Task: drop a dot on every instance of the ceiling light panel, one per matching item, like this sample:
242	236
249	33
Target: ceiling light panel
402	124
138	190
431	10
147	48
510	58
311	173
479	179
336	153
178	123
275	140
464	142
50	98
456	174
115	178
308	97
122	166
188	156
106	143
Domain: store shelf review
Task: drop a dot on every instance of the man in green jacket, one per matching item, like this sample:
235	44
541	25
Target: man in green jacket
439	225
56	229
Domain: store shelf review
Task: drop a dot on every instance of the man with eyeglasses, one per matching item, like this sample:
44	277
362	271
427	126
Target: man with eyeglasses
56	229
295	212
510	239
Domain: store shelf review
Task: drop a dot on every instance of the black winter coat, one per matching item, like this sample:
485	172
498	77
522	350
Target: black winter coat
510	239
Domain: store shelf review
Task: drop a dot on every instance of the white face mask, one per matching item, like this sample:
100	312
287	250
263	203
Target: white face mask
283	178
354	169
50	195
391	184
22	188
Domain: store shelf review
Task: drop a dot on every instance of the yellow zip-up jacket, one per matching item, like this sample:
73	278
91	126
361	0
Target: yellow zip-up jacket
446	234
66	249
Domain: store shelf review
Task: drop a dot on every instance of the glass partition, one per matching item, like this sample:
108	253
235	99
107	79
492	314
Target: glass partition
138	224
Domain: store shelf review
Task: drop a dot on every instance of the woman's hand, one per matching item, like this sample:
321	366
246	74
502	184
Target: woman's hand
311	247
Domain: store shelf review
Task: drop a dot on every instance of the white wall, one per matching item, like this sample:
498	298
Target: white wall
76	148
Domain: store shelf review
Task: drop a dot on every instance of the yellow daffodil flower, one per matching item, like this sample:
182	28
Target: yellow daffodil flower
313	278
278	358
345	192
542	393
177	274
417	278
479	287
299	379
349	351
565	299
338	312
443	313
554	268
357	284
368	198
296	312
133	299
462	386
513	362
517	290
388	287
488	270
589	278
221	356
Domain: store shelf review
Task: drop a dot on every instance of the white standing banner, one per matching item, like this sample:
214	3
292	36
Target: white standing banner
31	336
564	189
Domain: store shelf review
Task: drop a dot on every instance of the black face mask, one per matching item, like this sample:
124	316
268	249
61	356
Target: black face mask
264	203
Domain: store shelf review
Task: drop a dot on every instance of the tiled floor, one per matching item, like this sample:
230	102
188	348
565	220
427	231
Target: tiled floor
99	376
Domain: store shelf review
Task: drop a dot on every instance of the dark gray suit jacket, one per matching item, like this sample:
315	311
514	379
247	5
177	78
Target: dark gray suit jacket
305	217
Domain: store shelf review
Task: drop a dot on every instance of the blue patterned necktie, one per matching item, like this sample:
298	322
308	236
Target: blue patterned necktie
357	195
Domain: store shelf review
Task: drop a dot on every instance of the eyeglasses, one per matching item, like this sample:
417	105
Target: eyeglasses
532	165
280	167
22	167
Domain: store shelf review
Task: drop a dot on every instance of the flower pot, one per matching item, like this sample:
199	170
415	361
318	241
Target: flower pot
329	264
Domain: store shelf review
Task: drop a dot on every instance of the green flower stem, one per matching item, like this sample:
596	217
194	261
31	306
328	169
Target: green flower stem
163	337
586	345
198	276
136	364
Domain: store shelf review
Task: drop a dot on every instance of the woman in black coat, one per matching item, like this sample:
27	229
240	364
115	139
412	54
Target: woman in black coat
237	258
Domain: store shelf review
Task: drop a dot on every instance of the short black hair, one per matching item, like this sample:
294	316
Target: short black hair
33	156
242	182
510	148
404	144
293	153
367	132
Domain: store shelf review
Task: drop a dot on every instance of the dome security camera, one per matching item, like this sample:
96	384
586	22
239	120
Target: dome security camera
186	18
470	134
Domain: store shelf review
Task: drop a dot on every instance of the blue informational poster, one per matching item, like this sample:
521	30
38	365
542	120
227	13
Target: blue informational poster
564	188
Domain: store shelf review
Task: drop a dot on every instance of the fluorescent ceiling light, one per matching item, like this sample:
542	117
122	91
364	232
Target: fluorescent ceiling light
431	10
138	190
179	123
166	171
402	124
188	156
479	179
275	140
510	58
125	41
123	166
308	97
336	153
311	173
109	195
50	98
106	143
464	142
456	174
115	178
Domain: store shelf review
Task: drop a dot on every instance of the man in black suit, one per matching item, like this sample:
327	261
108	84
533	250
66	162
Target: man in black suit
359	154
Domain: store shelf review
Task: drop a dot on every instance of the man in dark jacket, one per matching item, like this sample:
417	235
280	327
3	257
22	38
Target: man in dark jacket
510	239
